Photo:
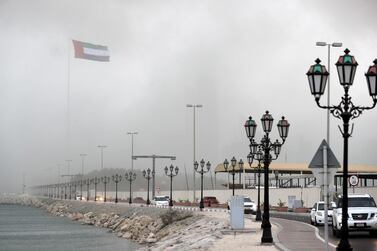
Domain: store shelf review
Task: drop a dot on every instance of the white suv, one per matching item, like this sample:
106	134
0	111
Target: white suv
362	214
317	214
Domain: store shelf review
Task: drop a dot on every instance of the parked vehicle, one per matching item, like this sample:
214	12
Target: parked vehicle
249	206
210	200
317	213
362	214
160	201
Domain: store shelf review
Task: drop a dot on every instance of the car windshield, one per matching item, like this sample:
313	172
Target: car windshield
359	202
161	199
246	200
321	206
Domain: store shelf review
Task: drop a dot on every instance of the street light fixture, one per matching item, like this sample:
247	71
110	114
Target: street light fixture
101	147
130	176
233	163
116	178
105	180
87	183
346	111
147	174
171	175
95	181
201	172
265	147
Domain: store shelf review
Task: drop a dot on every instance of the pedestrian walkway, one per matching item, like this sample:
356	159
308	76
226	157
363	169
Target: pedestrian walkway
297	236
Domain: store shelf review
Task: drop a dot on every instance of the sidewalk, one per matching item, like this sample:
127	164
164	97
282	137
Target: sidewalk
297	236
289	235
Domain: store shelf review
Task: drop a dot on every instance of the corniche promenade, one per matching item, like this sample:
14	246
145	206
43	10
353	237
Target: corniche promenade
153	228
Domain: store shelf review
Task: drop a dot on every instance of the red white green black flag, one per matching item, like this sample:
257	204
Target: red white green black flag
91	51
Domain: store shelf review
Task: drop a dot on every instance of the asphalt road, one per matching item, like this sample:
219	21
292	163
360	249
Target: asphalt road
359	241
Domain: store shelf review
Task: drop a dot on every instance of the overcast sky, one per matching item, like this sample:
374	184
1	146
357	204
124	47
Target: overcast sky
236	58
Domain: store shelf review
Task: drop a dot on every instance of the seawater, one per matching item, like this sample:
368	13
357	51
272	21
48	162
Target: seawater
27	228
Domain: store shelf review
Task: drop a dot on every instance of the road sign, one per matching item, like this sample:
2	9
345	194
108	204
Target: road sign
316	165
353	180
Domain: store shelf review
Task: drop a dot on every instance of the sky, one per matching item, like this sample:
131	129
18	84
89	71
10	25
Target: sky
236	58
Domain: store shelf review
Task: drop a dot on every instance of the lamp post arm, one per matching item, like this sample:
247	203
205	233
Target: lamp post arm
357	110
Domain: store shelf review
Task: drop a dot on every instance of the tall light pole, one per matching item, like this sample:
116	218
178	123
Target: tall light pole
194	106
82	163
132	148
329	45
68	166
101	147
346	110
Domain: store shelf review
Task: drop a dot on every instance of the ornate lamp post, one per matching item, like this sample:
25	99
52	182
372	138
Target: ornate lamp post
345	110
75	183
87	182
266	146
105	180
147	174
81	182
116	178
95	181
171	175
70	189
65	190
130	176
201	171
233	162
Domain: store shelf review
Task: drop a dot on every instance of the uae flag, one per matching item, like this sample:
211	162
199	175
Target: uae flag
91	51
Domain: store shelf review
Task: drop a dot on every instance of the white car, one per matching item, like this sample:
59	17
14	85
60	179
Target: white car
249	205
160	201
362	214
317	214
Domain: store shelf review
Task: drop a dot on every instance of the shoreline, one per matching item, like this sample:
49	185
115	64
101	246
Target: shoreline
154	228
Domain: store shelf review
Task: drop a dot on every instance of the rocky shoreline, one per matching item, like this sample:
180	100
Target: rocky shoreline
154	228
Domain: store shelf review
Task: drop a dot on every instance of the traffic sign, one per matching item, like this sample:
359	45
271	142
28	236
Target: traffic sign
353	180
316	165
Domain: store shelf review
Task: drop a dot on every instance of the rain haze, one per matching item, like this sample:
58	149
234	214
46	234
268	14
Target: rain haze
236	58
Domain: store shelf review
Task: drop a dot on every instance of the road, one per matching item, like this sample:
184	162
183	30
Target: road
360	241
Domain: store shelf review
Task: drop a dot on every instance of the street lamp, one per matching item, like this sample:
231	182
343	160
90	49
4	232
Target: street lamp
265	147
95	181
116	178
171	175
105	180
65	190
147	174
345	110
87	183
233	163
194	106
329	45
70	189
81	182
202	171
130	176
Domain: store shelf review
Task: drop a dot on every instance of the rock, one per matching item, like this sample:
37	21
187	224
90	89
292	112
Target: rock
127	235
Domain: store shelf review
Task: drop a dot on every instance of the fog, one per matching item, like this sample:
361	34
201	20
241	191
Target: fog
236	58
